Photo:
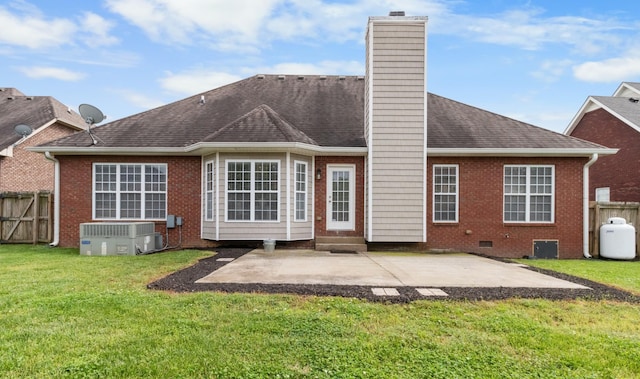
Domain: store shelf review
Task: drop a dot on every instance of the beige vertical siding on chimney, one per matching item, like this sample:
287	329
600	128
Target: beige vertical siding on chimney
396	127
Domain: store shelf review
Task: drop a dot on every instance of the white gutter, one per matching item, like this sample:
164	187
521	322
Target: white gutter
205	148
585	206
519	152
56	199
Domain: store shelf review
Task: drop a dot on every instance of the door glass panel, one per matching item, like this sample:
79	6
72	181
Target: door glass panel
340	194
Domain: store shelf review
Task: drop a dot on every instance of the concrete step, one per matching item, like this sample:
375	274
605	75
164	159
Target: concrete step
341	244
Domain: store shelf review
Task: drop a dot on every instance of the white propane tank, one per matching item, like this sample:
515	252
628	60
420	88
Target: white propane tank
617	239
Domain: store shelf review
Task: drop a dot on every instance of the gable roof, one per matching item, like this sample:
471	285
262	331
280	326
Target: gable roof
624	105
262	124
318	113
628	89
35	111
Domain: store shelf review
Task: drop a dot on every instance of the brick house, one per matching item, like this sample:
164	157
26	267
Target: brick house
334	162
613	121
22	170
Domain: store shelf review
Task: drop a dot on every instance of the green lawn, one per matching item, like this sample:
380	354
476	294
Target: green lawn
621	274
66	315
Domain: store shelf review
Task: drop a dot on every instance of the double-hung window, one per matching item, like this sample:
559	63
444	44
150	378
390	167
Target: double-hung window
252	190
445	193
208	190
130	191
301	191
529	193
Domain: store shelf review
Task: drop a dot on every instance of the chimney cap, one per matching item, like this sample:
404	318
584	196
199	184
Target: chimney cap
396	13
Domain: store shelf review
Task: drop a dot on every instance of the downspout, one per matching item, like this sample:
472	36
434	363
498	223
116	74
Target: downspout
585	206
56	199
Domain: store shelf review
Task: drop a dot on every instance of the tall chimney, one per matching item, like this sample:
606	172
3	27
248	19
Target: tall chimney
396	128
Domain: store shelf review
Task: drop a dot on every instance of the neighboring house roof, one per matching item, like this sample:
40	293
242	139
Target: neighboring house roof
316	111
628	89
624	105
36	112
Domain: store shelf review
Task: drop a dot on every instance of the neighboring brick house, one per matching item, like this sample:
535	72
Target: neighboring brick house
22	170
334	162
613	121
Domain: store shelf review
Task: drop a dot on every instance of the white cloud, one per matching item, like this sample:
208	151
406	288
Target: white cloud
528	29
32	30
42	72
196	81
97	30
250	24
552	70
609	70
189	21
24	25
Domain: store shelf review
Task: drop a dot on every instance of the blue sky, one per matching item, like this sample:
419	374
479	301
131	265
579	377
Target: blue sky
535	61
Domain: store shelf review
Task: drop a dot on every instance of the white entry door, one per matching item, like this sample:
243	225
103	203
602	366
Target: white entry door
340	197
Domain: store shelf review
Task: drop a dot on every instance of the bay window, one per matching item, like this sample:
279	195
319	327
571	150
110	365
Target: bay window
252	190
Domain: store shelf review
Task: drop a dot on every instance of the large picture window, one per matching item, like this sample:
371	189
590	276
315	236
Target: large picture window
445	193
301	191
528	193
252	190
130	191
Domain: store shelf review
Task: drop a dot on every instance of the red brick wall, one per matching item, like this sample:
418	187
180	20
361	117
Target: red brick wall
321	197
481	209
184	186
621	171
27	171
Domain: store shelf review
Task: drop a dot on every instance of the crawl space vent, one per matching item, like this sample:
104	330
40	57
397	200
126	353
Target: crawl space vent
545	249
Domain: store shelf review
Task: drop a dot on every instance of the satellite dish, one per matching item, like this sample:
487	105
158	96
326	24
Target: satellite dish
91	114
23	130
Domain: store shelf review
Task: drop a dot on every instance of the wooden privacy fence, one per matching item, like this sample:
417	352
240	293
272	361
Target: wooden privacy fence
26	217
599	212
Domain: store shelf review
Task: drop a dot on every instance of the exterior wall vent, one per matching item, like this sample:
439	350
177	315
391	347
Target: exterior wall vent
485	244
342	77
117	238
260	76
323	77
300	77
281	77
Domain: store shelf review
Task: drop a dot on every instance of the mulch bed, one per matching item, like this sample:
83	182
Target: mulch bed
184	281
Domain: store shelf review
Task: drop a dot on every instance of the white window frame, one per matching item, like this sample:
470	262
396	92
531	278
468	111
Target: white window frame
252	190
528	193
304	183
603	194
209	190
437	192
143	191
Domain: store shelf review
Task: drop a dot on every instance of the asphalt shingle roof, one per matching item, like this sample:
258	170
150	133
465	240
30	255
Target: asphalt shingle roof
626	107
34	111
327	110
452	124
316	110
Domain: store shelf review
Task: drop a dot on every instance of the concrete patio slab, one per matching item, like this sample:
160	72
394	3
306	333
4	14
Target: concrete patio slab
380	270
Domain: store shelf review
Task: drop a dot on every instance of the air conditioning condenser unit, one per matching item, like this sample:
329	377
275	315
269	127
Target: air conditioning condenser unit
117	238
